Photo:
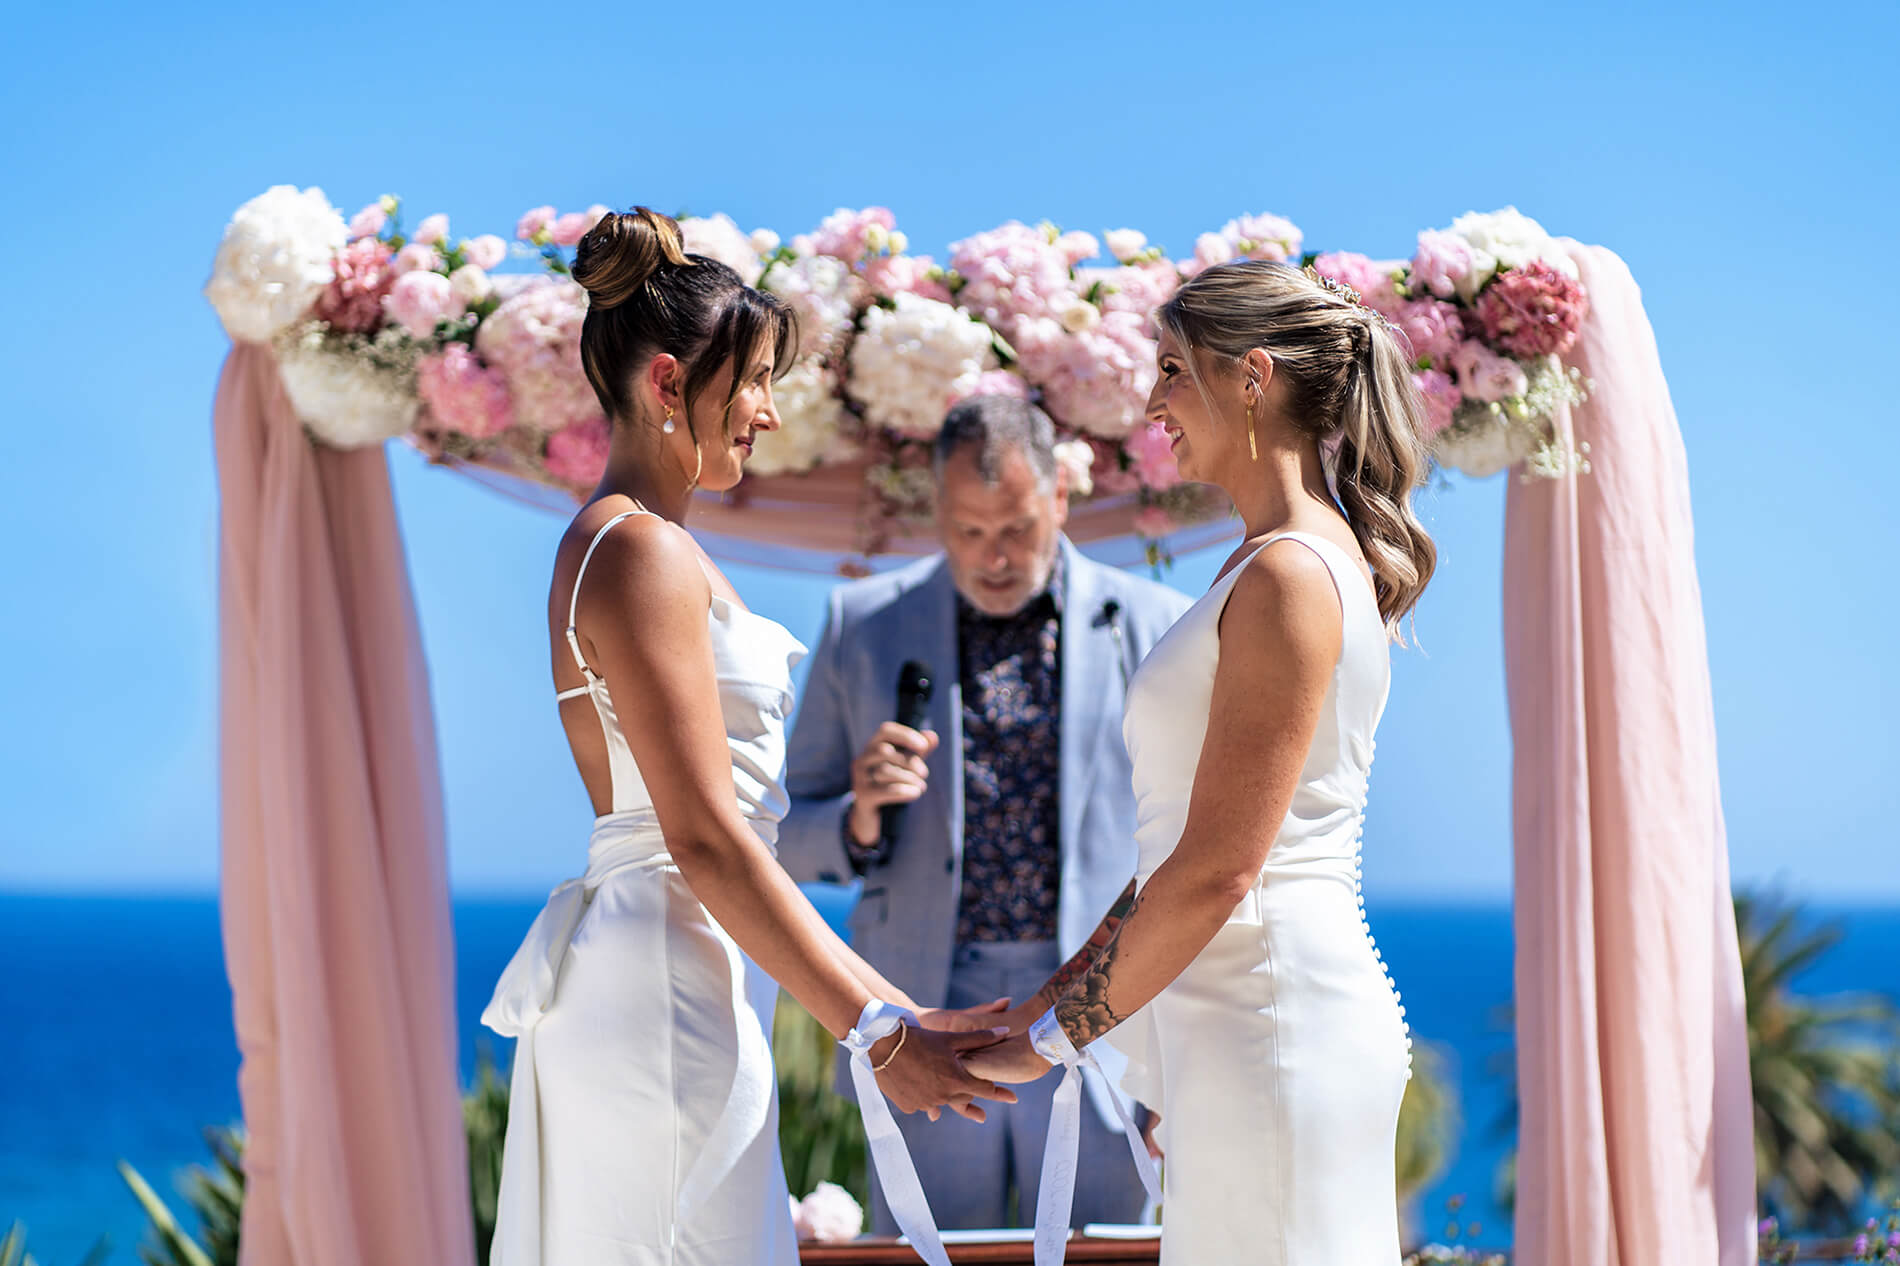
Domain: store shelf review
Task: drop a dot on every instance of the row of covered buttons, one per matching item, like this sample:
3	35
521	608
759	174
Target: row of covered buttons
1359	898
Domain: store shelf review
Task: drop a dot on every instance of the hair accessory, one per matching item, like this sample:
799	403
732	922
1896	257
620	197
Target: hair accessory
667	426
1351	296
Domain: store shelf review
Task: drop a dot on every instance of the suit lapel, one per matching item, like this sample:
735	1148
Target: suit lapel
1088	686
935	643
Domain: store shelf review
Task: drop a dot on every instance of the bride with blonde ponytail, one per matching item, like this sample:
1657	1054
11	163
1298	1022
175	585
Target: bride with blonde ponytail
1243	984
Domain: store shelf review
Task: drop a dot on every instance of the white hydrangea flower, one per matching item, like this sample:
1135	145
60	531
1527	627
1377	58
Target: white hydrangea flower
812	418
825	294
1078	459
1506	239
349	390
911	360
717	237
274	260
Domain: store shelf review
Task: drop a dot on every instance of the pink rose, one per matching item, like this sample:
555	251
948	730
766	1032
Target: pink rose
569	229
369	221
1152	523
851	235
533	225
463	394
1078	246
1484	375
416	255
1152	457
1209	249
577	454
1443	260
1370	278
1532	311
419	299
1433	329
432	229
1441	398
891	275
1267	237
354	298
486	252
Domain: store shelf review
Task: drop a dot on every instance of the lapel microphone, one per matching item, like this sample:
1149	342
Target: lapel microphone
1110	617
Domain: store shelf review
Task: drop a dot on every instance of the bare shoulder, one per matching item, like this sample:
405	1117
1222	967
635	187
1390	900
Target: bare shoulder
1286	600
645	564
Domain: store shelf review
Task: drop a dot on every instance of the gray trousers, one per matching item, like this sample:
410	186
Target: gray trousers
969	1170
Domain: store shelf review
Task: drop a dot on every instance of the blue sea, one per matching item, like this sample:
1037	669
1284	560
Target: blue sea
118	1041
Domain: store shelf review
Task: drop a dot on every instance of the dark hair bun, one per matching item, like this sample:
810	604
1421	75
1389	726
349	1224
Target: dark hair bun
621	253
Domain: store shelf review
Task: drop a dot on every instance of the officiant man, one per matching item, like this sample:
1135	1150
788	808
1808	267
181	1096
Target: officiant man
1018	830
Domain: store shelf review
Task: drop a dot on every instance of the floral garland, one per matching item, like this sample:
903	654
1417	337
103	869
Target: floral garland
381	333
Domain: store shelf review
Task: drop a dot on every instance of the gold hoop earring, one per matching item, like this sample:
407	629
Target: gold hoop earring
667	426
1253	449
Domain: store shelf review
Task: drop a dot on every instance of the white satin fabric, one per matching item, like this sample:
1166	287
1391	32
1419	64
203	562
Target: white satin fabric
1278	1058
643	1118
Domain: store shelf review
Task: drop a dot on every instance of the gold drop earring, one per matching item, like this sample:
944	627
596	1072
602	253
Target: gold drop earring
1253	449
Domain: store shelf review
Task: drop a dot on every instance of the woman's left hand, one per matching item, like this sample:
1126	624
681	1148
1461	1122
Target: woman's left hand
963	1020
1011	1060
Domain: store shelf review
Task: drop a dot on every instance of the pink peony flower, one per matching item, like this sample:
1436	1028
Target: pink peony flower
1136	288
485	252
534	339
1209	249
891	275
1441	400
1433	329
997	382
416	255
369	221
417	300
569	229
1011	273
1443	260
354	298
464	395
1152	523
1532	311
1151	457
533	225
1484	375
577	454
851	235
1078	246
1096	380
432	229
1370	278
1266	237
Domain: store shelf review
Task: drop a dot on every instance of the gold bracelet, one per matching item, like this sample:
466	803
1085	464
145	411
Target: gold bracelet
903	1031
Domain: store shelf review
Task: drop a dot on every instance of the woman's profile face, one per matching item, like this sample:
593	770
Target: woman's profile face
726	436
1202	443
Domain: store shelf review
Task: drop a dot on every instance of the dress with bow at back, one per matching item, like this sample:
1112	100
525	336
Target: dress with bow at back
1278	1058
643	1116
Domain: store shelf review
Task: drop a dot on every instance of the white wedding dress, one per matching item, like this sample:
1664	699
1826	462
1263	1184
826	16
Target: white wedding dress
643	1118
1278	1058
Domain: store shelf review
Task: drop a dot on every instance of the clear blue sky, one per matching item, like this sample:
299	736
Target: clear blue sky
1739	157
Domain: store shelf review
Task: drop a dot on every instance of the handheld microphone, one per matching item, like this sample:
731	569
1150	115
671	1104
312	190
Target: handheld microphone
913	701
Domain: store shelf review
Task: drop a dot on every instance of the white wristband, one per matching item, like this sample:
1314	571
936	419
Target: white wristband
1049	1040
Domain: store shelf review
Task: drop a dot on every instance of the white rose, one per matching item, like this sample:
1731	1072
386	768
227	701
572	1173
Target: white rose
832	1214
764	241
1075	313
717	237
1507	239
470	284
274	261
1125	244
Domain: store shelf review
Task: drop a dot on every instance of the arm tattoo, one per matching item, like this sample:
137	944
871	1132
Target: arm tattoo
1084	1012
1071	971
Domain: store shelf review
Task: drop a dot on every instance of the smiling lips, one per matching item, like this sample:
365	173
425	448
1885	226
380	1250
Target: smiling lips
1174	436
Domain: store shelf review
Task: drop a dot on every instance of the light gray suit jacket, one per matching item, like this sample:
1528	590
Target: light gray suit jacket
905	922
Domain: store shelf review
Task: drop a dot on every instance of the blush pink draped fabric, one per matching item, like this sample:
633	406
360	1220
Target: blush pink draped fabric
334	893
1635	1140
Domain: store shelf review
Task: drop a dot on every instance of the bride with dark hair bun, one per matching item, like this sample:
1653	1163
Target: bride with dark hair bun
643	1122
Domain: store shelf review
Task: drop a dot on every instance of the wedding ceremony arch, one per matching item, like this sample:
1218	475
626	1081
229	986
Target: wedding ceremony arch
1535	357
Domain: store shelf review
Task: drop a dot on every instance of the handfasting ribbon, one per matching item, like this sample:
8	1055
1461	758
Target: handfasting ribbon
895	1172
1056	1196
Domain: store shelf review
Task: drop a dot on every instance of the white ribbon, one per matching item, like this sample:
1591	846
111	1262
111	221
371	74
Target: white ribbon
895	1172
1056	1196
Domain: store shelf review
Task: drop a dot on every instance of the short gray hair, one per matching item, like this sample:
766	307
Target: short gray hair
996	426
